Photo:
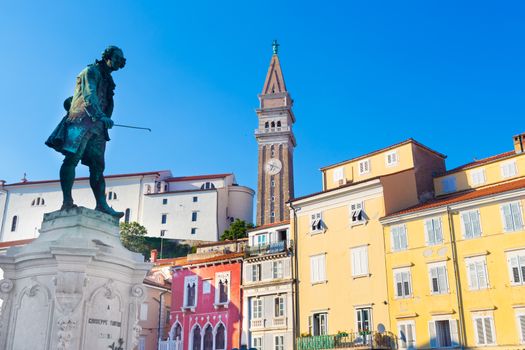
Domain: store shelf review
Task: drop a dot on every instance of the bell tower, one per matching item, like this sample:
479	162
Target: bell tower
276	143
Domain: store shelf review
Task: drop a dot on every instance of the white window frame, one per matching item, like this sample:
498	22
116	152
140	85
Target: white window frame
486	320
357	213
449	184
516	216
398	233
363	166
257	308
477	177
277	269
260	341
278	346
442	265
477	273
391	158
509	169
467	218
187	281
323	323
222	276
318	268
280	306
433	228
316	223
370	319
256	272
338	175
518	257
359	261
402	275
453	330
408	343
520	313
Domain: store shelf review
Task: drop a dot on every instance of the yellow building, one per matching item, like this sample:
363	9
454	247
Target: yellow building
340	252
455	265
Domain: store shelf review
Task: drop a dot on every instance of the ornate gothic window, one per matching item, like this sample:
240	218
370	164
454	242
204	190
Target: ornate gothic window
220	338
196	338
208	338
222	288
177	335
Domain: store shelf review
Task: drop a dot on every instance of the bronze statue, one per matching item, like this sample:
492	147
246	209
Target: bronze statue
83	132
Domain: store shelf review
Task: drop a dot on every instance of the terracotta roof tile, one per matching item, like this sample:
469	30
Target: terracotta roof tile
464	196
479	162
262	227
185	262
197	177
15	243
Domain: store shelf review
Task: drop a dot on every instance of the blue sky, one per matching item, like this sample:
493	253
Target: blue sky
363	75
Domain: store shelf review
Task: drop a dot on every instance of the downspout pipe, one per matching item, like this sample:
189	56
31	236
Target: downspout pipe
459	293
160	316
295	279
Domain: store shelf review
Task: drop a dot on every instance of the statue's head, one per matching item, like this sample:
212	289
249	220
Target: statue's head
114	58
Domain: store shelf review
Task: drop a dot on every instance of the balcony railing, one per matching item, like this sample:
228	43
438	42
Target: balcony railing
170	345
274	129
257	323
262	249
364	340
279	322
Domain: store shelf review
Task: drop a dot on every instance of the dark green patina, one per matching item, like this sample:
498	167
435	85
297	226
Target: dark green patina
83	132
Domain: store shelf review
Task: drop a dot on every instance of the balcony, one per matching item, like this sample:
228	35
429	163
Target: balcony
263	249
343	340
279	322
257	323
275	129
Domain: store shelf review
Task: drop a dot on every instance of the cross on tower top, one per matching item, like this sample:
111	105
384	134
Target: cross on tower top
275	47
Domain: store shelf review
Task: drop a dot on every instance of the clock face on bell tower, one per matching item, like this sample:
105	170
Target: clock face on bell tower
276	143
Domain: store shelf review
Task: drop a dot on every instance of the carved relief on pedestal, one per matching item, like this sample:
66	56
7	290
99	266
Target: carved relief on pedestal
69	290
66	326
6	287
138	293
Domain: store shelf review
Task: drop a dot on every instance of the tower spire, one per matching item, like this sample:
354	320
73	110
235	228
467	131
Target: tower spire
274	82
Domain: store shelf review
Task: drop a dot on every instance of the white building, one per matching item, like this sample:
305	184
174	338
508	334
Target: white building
268	321
185	208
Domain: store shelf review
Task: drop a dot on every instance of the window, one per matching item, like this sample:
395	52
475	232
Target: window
403	284
511	213
433	233
338	175
193	230
477	177
207	186
279	342
509	169
407	335
364	319
164	201
391	158
112	196
438	278
364	167
277	267
194	216
357	215
317	268
448	184
127	215
484	330
278	310
195	199
220	337
14	223
272	183
142	342
163	233
477	272
470	222
443	333
222	287
196	338
316	223
257	308
359	261
257	343
190	291
318	323
520	318
399	237
516	262
143	311
206	287
261	239
164	219
39	201
256	272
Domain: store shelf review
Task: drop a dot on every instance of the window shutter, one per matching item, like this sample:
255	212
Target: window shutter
310	324
472	276
454	332
488	330
514	269
482	275
398	282
434	288
402	336
403	239
467	225
443	283
521	321
313	269
521	262
516	214
410	336
428	232
432	334
507	217
322	268
364	260
476	223
437	230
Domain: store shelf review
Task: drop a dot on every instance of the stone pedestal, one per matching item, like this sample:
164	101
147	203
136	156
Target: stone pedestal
74	287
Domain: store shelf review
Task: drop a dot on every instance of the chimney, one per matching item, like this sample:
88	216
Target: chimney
153	255
519	143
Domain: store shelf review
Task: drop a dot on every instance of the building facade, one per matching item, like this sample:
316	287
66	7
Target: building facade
196	208
341	281
268	309
456	264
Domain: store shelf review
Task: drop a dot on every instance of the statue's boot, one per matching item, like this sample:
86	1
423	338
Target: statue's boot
98	185
66	205
67	177
103	207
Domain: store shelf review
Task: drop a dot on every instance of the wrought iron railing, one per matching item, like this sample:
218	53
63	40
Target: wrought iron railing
368	340
272	248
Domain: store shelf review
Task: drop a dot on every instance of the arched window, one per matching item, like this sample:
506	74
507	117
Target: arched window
273	124
177	334
223	291
148	189
220	338
208	338
112	196
191	294
127	214
266	125
279	124
14	223
38	201
207	186
196	338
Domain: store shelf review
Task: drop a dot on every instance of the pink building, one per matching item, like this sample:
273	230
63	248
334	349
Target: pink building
206	301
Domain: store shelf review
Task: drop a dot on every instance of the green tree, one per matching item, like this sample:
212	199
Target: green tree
132	236
237	230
